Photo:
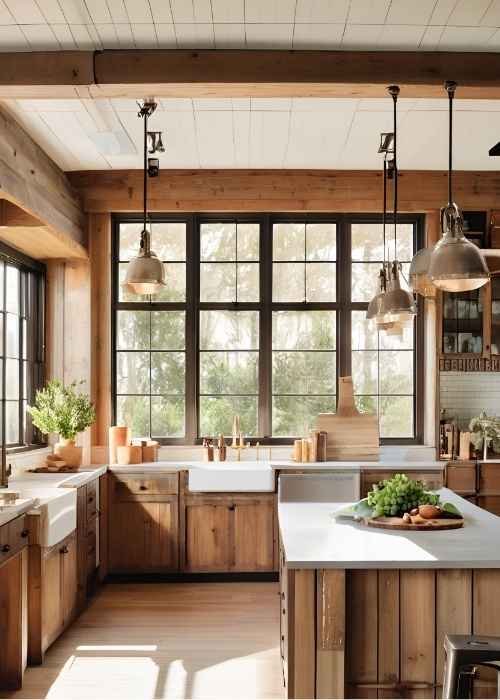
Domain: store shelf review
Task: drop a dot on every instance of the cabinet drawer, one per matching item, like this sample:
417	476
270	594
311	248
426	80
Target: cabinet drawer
166	485
489	478
461	479
13	537
91	500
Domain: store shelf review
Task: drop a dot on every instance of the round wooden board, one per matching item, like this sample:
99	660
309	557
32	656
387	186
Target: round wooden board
388	523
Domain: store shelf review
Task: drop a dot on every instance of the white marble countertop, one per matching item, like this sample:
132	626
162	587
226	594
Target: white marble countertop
20	507
313	539
275	464
62	479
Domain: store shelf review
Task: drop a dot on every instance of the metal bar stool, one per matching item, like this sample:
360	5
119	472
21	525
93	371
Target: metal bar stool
462	653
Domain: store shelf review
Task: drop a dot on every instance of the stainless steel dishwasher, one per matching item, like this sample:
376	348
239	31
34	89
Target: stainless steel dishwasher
339	487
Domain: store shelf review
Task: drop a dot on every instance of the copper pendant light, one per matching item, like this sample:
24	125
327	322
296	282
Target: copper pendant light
145	273
456	264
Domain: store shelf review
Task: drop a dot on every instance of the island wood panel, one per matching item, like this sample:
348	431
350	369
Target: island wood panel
395	623
279	190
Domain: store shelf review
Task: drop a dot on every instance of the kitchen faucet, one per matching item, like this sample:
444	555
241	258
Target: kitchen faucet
6	471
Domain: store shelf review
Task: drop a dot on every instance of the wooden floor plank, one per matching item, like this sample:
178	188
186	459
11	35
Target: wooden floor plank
144	641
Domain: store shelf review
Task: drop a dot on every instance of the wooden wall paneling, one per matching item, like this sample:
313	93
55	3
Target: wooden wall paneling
453	611
280	190
362	655
388	631
417	631
486	606
304	631
99	227
330	634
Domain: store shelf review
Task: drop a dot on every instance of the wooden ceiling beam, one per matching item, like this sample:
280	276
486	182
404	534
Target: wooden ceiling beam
40	195
236	73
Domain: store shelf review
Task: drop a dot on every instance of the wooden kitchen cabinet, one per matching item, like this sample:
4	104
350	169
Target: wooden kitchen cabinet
229	533
477	481
13	604
144	525
53	594
87	536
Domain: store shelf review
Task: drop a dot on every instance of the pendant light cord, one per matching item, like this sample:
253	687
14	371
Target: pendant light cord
384	211
145	174
394	91
450	86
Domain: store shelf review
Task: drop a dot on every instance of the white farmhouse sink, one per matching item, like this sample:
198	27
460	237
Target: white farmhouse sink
55	507
231	476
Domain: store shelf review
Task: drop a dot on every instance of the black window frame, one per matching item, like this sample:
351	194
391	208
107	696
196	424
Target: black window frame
31	294
342	306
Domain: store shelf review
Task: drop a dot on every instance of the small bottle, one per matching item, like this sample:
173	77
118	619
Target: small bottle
221	444
208	450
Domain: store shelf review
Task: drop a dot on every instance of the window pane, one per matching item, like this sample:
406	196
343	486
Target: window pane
217	413
367	242
365	281
123	293
175	281
12	379
396	416
229	330
229	373
12	422
366	404
365	372
248	282
398	342
304	330
12	335
289	282
321	241
168	372
217	282
133	330
248	242
396	372
167	330
321	282
168	240
134	412
304	373
218	241
296	415
132	372
364	333
12	289
289	242
130	238
167	416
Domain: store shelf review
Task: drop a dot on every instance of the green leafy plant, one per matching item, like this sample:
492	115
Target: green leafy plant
61	409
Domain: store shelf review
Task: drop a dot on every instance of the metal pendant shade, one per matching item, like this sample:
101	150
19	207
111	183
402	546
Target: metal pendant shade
145	273
398	305
456	264
419	278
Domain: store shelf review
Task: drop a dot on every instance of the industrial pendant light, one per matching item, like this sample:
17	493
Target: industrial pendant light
397	305
456	264
145	273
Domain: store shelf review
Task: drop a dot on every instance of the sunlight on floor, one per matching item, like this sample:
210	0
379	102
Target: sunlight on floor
174	641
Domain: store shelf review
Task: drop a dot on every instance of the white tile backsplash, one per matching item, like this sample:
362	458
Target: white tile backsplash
465	394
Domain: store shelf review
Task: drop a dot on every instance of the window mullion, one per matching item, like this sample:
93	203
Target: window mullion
265	328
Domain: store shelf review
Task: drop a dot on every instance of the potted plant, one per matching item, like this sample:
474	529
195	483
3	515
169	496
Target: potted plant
61	409
485	433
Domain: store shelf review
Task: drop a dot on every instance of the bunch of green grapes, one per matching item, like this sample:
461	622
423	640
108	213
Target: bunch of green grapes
398	495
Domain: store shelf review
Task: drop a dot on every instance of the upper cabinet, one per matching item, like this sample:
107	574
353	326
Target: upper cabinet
469	322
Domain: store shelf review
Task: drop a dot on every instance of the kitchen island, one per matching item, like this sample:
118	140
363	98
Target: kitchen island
364	611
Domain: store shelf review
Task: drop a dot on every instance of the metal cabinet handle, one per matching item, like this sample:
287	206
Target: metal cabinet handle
64	550
91	498
143	488
231	507
25	533
6	548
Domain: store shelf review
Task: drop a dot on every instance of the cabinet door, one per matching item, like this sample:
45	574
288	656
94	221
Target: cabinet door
13	620
52	596
144	536
69	564
490	503
254	536
208	537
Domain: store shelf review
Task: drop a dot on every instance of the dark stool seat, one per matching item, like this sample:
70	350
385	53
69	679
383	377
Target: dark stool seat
462	653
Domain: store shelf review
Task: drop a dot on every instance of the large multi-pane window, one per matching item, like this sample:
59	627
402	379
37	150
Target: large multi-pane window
260	315
21	343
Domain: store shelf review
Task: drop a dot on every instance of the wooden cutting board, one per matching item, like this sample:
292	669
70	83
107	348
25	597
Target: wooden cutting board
388	523
350	434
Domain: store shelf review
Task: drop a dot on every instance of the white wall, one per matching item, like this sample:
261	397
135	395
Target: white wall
465	394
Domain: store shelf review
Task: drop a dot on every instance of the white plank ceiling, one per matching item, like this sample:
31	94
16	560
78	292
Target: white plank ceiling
467	25
261	133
